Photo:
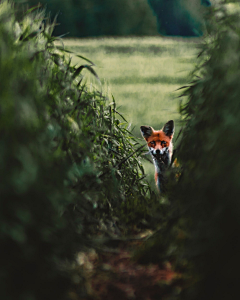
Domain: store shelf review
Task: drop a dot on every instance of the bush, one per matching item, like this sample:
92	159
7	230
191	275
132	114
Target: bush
32	190
67	158
209	189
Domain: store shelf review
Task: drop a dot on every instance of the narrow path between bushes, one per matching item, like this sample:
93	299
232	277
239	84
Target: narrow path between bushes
112	273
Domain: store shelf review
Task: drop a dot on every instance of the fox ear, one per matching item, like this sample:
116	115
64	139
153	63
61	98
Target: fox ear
146	131
168	128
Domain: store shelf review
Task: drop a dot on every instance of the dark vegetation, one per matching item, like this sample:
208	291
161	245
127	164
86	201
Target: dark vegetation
209	190
97	18
69	166
123	18
175	19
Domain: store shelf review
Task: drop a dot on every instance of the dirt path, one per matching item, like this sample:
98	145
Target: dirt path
113	274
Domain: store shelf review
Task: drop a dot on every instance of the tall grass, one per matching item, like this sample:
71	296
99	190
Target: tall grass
68	162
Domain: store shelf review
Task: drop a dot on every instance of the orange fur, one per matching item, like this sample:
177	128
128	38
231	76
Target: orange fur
160	147
158	136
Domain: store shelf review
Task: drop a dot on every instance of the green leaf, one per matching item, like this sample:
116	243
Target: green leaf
88	67
60	48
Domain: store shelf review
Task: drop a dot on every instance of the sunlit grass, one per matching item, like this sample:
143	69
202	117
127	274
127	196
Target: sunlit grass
143	75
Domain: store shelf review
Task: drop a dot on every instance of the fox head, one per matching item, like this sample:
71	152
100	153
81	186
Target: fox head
159	142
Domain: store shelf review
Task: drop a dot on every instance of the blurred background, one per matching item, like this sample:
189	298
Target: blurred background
81	18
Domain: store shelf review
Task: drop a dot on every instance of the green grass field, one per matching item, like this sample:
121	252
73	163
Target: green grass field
142	74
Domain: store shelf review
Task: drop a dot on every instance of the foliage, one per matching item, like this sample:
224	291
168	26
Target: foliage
68	161
33	236
123	18
207	195
180	17
96	18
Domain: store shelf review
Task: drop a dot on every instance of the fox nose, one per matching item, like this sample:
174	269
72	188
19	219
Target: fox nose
158	152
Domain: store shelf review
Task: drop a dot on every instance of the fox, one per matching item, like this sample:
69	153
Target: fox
160	147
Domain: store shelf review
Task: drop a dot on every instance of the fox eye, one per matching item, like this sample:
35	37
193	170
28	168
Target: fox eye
163	143
152	143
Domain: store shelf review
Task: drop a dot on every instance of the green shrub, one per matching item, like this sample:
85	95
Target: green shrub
32	190
208	191
68	160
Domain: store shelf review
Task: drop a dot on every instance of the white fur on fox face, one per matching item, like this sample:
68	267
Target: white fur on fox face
161	151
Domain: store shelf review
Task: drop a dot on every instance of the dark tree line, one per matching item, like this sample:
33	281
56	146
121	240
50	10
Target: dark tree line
96	18
180	18
79	18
